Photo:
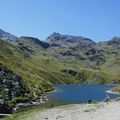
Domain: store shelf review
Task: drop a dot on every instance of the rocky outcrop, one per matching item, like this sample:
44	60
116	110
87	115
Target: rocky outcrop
14	93
11	86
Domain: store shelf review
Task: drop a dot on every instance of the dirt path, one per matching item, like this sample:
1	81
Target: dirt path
101	111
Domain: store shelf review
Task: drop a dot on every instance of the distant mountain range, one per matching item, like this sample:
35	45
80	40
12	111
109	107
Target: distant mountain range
58	59
78	49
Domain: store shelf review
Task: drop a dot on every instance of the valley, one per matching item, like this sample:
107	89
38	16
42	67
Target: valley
59	59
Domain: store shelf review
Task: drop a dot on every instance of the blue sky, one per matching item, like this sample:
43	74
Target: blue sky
96	19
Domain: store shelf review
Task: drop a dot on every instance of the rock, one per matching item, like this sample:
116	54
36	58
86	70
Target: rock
1	101
12	88
12	85
4	108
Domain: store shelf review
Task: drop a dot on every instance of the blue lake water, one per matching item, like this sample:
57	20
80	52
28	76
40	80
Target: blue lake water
79	93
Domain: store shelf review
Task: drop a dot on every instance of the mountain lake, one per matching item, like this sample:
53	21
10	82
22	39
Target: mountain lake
81	93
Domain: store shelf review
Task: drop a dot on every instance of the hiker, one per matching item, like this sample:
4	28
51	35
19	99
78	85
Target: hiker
89	101
52	105
107	98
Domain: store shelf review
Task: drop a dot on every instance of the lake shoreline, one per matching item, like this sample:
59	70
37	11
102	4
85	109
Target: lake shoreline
36	103
80	93
99	111
111	92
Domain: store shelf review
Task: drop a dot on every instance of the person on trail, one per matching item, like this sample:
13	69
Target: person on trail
107	98
52	105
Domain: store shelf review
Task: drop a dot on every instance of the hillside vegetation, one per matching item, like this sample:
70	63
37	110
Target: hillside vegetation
60	59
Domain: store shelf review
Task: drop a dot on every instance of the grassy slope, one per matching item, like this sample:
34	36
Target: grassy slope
112	56
112	64
40	70
36	70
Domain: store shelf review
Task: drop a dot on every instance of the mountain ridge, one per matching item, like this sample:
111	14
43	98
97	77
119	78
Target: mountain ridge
67	40
8	36
41	64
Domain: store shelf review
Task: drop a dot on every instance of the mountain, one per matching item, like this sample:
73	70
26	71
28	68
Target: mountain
68	40
60	59
111	52
7	36
80	50
85	52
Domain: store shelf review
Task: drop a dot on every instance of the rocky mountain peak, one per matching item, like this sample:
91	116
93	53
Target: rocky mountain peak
68	40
